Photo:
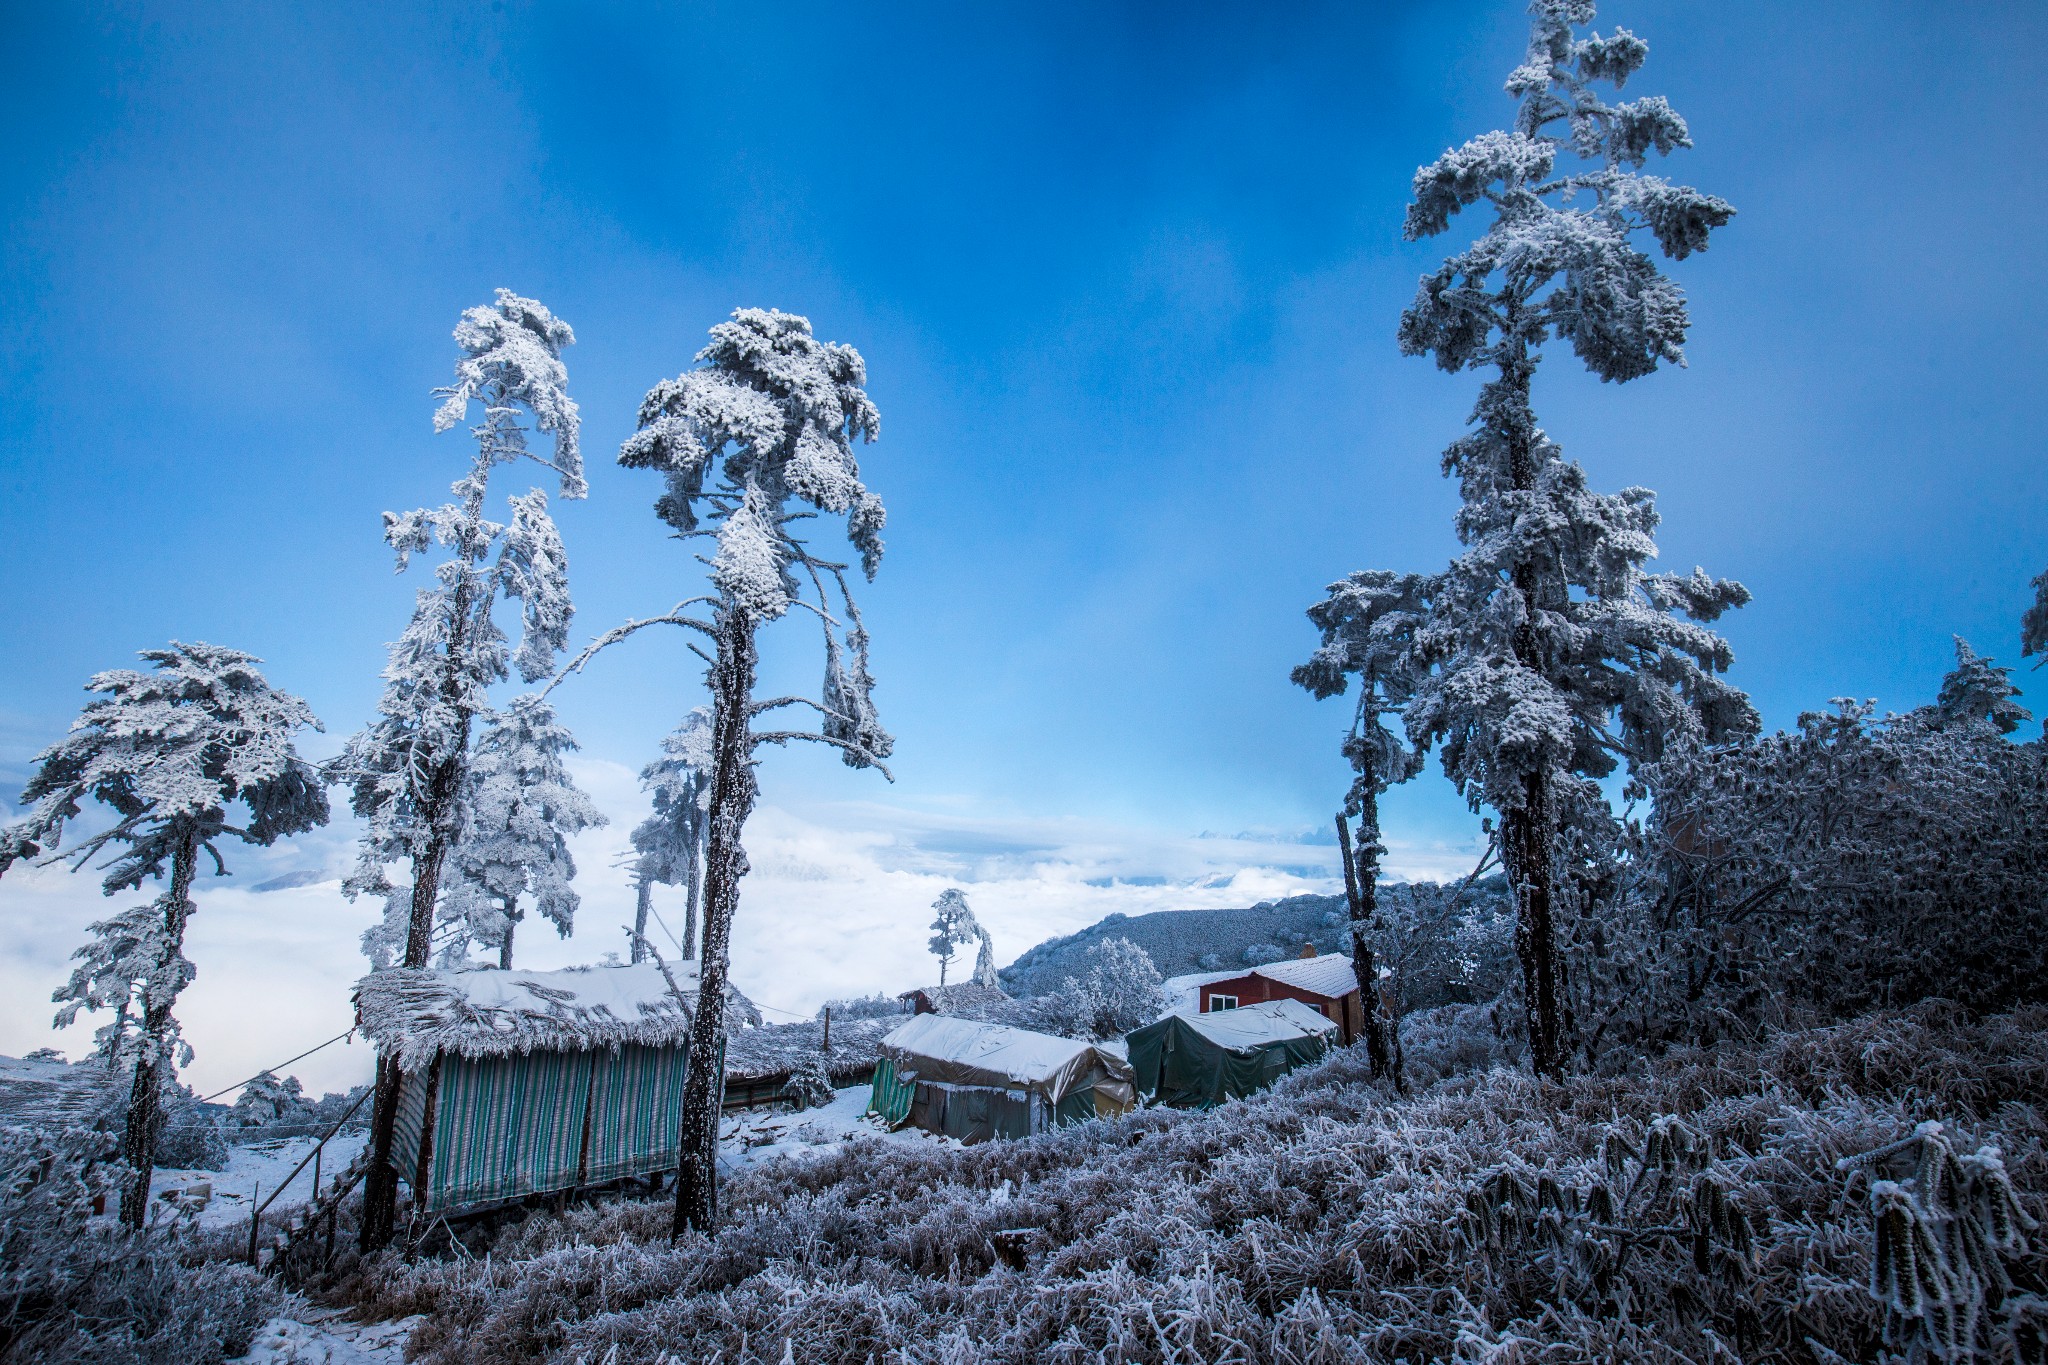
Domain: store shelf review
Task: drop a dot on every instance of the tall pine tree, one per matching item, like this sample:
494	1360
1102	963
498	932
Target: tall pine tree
769	417
408	772
669	844
171	752
1552	654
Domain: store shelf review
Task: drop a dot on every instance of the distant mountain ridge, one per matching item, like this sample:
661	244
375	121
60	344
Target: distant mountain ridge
1182	941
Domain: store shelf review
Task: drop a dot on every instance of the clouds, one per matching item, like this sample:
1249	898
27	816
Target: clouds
837	904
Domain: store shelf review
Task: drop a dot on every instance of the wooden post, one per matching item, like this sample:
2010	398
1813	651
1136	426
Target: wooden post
255	1217
828	1029
316	1173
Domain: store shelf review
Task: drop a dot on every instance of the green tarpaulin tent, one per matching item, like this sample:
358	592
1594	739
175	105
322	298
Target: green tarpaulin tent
1197	1061
976	1081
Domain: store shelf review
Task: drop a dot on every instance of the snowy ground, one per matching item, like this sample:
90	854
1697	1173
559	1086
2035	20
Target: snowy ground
757	1135
318	1336
259	1165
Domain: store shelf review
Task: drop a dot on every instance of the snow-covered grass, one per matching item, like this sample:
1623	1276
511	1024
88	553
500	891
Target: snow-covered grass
314	1336
1691	1209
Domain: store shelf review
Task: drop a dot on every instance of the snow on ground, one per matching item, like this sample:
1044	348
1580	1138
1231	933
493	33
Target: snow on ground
316	1336
757	1135
261	1165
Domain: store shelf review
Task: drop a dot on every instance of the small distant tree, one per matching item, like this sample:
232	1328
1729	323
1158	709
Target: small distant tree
171	752
266	1100
669	844
1121	991
523	807
769	416
1553	655
408	772
1369	623
952	926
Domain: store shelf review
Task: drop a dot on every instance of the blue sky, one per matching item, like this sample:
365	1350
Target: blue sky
1126	278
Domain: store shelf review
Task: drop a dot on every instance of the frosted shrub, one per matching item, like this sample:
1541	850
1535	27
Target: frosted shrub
809	1085
75	1287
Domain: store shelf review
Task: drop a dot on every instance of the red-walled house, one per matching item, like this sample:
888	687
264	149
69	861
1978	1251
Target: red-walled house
1326	983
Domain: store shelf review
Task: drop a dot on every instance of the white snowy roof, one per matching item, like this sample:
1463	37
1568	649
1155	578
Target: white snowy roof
1329	975
1266	1022
414	1012
1185	992
940	1047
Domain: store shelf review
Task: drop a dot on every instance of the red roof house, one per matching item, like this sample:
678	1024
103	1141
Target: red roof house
1325	983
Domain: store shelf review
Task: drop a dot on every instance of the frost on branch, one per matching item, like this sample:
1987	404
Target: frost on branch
1977	691
513	355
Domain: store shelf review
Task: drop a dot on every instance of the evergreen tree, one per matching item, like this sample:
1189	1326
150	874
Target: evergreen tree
1553	655
170	752
953	925
1978	692
408	772
768	417
523	806
669	843
1369	623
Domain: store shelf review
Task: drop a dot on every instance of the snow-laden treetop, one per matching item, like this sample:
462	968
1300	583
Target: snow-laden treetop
169	751
512	353
1568	194
771	414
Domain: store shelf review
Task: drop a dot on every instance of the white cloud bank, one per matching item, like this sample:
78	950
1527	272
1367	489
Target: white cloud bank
837	904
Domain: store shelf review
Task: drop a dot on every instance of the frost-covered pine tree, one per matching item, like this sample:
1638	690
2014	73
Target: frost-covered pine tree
953	925
171	752
408	772
669	844
1553	654
523	806
1369	623
768	417
1979	692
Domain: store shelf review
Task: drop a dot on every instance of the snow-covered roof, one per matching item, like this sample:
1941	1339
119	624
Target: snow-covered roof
1330	974
939	1047
414	1013
1269	1021
1184	993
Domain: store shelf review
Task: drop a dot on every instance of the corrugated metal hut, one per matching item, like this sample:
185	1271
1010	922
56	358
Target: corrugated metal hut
1197	1061
976	1081
518	1083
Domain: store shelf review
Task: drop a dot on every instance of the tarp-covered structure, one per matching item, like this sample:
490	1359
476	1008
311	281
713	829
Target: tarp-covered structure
975	1081
1200	1060
517	1083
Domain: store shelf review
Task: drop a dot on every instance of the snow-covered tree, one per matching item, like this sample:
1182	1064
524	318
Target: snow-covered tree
768	417
1369	622
408	772
171	753
1978	692
1120	991
669	844
523	806
953	924
267	1100
1553	654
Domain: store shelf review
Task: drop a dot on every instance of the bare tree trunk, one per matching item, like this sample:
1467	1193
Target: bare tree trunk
643	901
145	1100
511	925
1526	837
693	893
380	1181
725	862
1361	891
1528	832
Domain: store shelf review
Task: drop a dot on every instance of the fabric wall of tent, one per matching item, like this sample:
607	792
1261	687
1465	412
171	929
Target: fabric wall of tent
518	1083
976	1081
1200	1060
